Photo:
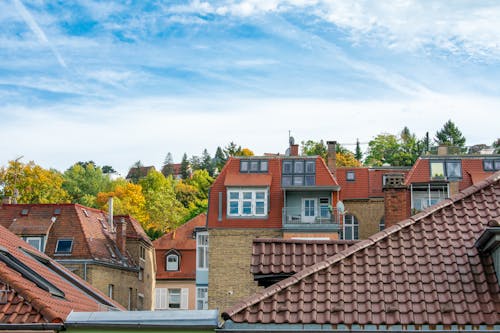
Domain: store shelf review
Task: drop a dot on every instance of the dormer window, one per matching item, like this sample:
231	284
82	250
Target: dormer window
451	169
64	246
491	165
350	176
172	262
25	211
298	172
253	166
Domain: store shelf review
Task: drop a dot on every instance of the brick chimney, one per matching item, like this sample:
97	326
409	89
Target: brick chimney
332	156
442	150
121	235
294	150
110	213
396	199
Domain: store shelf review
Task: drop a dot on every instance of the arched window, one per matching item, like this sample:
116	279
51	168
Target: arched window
351	227
381	224
172	261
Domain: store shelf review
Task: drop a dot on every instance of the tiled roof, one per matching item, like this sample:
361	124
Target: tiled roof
182	242
422	271
23	301
134	228
87	227
248	179
139	172
286	256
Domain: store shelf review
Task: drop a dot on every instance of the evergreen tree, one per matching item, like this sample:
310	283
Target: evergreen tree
358	154
168	165
427	142
496	145
207	163
219	159
185	167
108	169
135	172
195	163
450	135
232	149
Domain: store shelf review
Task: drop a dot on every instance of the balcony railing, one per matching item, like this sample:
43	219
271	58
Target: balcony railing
294	218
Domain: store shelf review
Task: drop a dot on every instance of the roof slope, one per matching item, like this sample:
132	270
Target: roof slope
422	271
25	302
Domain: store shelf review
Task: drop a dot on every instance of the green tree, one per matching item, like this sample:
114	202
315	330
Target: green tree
219	159
382	150
108	169
185	167
30	183
83	181
207	163
450	135
134	173
312	148
409	150
232	149
358	154
168	165
496	145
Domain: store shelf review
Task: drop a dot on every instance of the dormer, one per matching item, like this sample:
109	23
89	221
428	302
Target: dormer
489	244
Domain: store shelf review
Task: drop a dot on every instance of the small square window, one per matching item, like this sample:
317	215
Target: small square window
57	211
25	211
437	170
233	207
453	169
350	176
64	245
244	166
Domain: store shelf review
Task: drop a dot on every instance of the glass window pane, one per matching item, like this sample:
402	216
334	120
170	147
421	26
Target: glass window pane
263	166
286	181
247	207
298	180
247	195
310	166
453	169
437	170
310	180
234	195
233	207
287	167
260	195
259	207
348	233
244	166
324	211
497	164
488	165
350	175
64	245
298	167
254	166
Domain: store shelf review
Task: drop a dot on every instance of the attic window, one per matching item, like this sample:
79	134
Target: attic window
253	166
28	273
491	165
64	246
103	224
25	211
350	176
85	212
57	211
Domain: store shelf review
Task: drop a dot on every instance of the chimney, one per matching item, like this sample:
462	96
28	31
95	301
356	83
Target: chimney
121	235
442	150
332	157
294	150
110	213
396	199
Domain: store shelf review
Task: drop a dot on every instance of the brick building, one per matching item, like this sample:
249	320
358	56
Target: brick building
113	254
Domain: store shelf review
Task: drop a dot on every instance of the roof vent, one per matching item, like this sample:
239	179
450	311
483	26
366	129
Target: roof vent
24	211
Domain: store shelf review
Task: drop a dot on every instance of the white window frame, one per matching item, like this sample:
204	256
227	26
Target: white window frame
163	298
351	223
202	298
41	246
247	196
202	251
175	265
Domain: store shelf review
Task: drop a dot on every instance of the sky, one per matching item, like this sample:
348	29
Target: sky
126	80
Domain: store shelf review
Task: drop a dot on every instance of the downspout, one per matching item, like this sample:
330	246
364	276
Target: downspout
85	271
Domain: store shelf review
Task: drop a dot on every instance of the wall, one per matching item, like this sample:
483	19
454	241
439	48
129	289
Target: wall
181	284
229	277
368	212
148	264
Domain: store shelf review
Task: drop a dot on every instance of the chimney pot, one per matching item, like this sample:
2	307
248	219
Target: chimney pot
294	150
332	156
121	235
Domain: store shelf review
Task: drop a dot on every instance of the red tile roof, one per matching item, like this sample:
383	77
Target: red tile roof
180	240
424	270
285	256
25	302
248	179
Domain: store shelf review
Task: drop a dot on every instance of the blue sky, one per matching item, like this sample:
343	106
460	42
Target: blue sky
121	81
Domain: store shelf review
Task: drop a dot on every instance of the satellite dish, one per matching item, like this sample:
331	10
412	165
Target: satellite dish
340	207
291	140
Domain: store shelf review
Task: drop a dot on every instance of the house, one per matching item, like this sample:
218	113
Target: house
280	196
436	271
178	285
37	293
113	254
362	193
137	172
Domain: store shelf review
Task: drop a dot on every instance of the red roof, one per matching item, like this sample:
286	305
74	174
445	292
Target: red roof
180	240
247	180
424	270
26	302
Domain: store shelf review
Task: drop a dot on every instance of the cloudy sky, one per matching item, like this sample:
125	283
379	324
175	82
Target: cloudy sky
127	80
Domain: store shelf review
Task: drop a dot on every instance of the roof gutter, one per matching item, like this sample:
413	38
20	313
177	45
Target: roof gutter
32	327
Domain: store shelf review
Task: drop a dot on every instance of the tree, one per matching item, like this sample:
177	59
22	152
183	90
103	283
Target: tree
135	172
496	145
410	148
30	183
311	148
450	135
358	154
232	149
347	160
219	159
246	152
83	181
382	150
185	167
168	165
108	169
195	162
207	163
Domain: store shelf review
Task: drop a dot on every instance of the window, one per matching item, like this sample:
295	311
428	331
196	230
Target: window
324	208
350	176
57	211
64	245
36	242
25	211
491	165
451	169
247	202
351	227
253	166
297	172
141	274
111	289
172	263
201	298
381	224
171	298
202	251
142	252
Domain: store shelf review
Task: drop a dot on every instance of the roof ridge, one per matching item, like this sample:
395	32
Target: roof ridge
333	178
357	247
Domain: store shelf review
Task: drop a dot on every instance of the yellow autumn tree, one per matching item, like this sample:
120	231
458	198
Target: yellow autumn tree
347	159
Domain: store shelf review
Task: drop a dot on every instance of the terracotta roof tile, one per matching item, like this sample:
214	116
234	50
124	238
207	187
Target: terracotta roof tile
423	271
23	301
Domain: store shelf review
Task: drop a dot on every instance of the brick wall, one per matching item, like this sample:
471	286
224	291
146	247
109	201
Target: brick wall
229	277
368	212
397	205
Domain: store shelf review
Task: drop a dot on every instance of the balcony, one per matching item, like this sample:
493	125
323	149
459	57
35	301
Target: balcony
295	218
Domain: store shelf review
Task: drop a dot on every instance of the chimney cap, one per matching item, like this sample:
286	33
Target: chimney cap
331	142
